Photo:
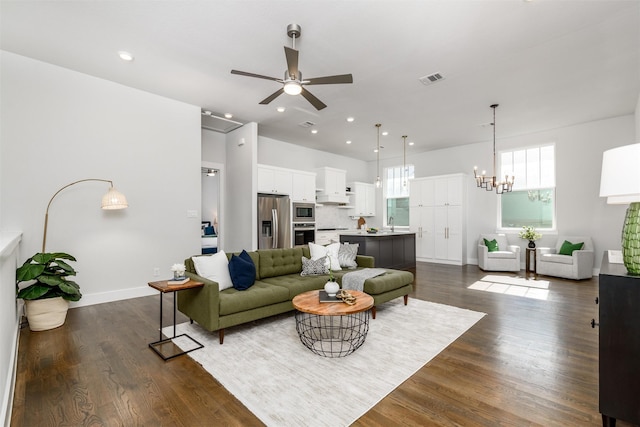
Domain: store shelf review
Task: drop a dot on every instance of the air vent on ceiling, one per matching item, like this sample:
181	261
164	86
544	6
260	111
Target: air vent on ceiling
218	124
306	124
431	78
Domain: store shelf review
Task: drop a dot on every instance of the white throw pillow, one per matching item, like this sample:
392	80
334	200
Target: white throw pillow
330	251
214	267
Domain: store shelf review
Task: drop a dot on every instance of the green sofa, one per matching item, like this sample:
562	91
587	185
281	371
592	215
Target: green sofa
278	280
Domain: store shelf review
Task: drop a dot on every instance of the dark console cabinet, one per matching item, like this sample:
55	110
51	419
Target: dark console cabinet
619	311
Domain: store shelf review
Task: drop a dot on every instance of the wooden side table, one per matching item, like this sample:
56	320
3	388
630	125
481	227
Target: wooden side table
527	261
157	346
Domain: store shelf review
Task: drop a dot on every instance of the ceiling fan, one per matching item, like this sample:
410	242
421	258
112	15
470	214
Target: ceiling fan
292	82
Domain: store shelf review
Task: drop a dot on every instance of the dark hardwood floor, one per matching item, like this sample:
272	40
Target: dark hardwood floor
528	362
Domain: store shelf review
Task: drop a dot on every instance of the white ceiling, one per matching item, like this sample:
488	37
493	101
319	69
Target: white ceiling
548	63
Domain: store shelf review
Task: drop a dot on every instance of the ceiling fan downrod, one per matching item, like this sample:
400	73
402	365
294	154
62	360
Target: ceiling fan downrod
293	31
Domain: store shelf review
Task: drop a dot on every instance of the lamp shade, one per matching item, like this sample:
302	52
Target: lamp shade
114	200
620	178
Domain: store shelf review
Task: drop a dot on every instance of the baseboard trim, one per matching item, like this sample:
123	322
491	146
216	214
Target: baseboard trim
10	386
120	294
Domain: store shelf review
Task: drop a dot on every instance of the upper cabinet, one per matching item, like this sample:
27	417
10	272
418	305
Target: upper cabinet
363	199
274	180
304	187
331	185
448	190
421	192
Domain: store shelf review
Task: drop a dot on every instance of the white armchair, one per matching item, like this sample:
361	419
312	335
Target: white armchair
506	258
578	265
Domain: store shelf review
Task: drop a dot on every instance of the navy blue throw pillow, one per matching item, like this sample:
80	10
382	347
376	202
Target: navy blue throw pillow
242	271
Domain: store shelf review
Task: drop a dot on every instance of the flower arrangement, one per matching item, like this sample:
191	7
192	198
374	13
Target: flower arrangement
178	270
529	233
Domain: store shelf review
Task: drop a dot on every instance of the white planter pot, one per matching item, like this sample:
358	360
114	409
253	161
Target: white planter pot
45	314
331	288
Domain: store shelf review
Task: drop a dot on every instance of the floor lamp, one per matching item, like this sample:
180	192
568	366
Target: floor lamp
620	184
110	201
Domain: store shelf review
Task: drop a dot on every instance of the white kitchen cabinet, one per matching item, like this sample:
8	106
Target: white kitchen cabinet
363	199
437	214
421	223
274	180
331	184
303	187
421	192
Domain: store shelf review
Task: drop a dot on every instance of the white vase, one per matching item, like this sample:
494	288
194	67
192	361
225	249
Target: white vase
331	288
45	314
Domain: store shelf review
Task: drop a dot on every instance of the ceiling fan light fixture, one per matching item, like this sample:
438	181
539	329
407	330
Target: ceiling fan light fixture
292	88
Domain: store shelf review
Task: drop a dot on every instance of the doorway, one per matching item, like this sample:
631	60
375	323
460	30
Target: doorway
211	211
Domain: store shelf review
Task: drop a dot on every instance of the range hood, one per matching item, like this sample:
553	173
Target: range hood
332	199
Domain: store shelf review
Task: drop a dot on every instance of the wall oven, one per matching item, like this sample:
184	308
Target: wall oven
303	233
304	212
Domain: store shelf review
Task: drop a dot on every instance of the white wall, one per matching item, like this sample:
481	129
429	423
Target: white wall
240	203
59	126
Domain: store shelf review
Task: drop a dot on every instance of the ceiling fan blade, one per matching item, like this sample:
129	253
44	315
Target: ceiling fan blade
342	78
292	62
244	73
312	99
273	96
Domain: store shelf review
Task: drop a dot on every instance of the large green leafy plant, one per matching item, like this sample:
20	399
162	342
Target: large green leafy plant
50	272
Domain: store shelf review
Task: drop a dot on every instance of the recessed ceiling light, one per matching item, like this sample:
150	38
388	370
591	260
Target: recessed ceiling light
125	56
385	133
375	150
228	115
350	119
280	109
411	143
314	131
348	142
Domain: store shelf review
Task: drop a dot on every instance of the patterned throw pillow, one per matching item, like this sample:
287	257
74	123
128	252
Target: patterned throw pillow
311	267
347	255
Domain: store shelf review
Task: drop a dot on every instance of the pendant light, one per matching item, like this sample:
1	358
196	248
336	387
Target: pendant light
378	180
490	182
404	160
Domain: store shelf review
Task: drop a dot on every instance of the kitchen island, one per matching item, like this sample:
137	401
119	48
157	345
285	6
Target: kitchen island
390	249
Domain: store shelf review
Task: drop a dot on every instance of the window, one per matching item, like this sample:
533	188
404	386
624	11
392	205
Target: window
396	195
532	201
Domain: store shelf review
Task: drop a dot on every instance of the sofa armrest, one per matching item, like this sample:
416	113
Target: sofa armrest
515	249
201	304
365	261
542	251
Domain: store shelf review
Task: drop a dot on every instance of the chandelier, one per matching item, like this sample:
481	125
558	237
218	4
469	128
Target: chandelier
490	182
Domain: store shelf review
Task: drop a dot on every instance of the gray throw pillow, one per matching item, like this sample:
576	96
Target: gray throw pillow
312	267
347	255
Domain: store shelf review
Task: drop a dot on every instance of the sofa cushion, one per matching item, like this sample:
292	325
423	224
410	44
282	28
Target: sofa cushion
214	267
347	255
492	245
392	279
314	267
296	284
277	262
259	295
562	259
567	247
330	251
501	255
242	271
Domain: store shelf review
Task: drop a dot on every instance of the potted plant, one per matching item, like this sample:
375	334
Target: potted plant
331	287
47	297
529	233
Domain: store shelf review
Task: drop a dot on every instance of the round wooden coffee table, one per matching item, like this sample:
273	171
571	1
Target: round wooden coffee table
332	329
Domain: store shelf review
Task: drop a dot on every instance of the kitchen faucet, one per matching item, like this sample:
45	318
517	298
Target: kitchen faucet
390	221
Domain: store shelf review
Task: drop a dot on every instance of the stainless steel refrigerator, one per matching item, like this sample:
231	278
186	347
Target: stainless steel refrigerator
274	221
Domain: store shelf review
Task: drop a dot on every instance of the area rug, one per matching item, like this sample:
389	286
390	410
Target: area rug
283	383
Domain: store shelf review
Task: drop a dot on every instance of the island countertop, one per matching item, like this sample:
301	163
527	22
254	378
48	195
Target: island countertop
389	249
